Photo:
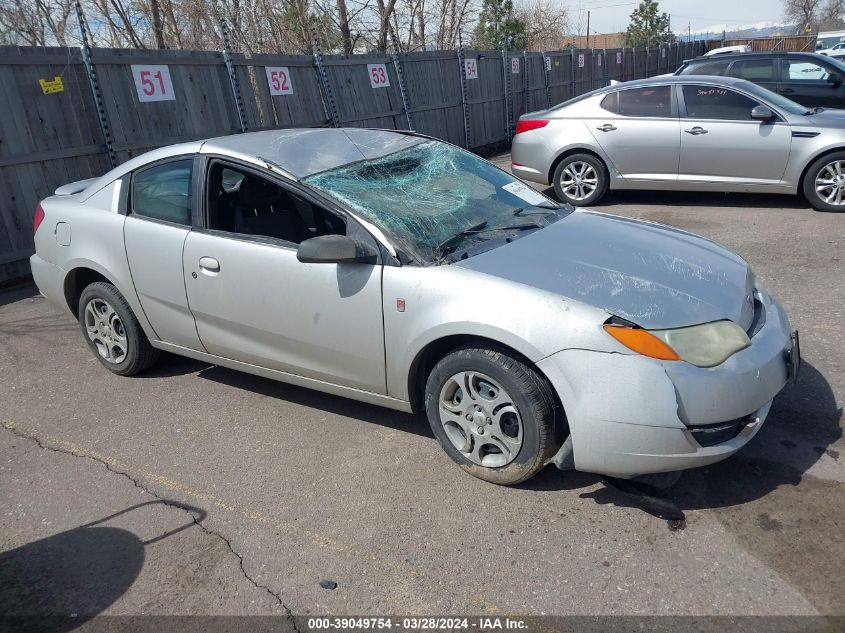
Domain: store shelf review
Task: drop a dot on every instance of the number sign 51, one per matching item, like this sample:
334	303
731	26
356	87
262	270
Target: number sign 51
378	75
278	78
152	83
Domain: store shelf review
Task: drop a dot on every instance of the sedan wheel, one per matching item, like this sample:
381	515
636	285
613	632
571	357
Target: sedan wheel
493	414
480	419
112	331
830	183
580	180
106	331
824	183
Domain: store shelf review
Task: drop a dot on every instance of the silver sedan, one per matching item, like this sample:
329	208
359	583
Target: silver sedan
402	271
684	133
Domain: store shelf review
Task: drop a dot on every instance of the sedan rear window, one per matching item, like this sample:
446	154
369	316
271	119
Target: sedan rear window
650	101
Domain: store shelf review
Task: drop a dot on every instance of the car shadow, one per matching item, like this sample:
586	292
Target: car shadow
17	293
59	582
409	423
803	423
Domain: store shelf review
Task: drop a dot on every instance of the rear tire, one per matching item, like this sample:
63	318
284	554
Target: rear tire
494	415
112	331
825	180
580	180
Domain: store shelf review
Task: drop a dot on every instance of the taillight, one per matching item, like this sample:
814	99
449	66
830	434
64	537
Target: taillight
526	125
38	219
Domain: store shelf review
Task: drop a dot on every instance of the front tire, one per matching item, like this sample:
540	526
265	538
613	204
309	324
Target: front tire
494	415
580	180
824	183
112	331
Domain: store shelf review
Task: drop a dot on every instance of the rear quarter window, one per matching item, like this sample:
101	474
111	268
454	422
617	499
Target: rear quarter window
719	68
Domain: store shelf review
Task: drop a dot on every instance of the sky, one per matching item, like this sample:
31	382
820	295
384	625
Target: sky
610	16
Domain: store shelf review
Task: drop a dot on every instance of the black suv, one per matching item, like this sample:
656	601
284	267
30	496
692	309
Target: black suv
810	79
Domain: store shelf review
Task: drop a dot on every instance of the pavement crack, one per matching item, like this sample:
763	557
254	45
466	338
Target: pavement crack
190	511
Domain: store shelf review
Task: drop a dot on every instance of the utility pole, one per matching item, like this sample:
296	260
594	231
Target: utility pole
689	31
588	29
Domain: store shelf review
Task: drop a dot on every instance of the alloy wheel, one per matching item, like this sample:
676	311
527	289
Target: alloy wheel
578	180
106	331
830	183
480	419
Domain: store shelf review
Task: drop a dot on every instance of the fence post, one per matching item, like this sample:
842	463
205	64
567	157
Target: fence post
402	92
230	70
506	86
525	99
571	73
547	67
605	67
464	94
328	98
105	129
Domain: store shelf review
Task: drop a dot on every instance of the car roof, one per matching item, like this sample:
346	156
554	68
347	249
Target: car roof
297	152
673	79
752	54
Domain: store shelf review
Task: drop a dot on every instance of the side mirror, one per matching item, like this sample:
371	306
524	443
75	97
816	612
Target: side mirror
762	113
834	78
336	249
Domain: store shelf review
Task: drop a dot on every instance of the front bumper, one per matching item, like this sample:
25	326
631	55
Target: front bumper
631	415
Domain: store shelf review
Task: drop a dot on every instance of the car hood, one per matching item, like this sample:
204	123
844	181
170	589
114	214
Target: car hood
653	275
826	119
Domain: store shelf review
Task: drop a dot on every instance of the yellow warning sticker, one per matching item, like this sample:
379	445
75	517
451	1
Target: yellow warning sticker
49	87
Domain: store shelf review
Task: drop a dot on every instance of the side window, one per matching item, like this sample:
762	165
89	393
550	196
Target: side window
239	201
802	70
707	68
163	192
713	102
651	101
609	102
754	70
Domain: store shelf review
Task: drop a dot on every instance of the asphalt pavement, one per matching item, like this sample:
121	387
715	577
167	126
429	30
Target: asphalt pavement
195	489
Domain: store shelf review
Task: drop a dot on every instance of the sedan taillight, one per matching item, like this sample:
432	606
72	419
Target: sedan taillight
526	125
37	219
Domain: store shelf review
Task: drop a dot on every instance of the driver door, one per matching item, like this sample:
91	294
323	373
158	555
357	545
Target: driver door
254	302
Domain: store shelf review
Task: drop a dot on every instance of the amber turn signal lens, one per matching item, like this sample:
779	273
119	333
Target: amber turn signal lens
641	341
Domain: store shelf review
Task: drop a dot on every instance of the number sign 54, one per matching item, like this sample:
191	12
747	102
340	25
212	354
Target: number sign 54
278	78
378	75
152	83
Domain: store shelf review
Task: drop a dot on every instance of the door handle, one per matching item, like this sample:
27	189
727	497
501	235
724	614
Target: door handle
696	131
607	127
786	90
209	265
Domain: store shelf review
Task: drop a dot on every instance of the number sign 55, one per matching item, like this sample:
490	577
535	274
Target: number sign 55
278	78
378	75
152	83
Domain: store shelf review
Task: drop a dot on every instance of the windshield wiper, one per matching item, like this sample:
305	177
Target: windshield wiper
459	237
540	211
448	245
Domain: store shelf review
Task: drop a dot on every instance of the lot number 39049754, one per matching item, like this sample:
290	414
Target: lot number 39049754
152	83
279	80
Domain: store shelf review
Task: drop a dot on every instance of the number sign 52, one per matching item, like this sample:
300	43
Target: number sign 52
279	80
378	75
152	83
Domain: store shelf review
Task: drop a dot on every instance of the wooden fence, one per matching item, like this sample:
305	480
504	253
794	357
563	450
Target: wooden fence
56	128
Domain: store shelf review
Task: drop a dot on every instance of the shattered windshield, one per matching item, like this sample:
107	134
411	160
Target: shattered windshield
433	198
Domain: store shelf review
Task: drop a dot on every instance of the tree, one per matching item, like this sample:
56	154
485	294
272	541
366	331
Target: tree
648	27
498	28
546	24
814	15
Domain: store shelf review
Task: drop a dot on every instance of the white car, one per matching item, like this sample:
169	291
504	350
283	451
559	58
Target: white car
739	48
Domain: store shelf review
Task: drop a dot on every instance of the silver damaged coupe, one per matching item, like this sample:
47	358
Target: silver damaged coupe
402	271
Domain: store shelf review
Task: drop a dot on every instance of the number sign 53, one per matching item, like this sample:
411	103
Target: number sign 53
278	78
378	75
152	83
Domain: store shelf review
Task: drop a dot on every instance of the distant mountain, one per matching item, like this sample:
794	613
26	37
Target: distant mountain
734	31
